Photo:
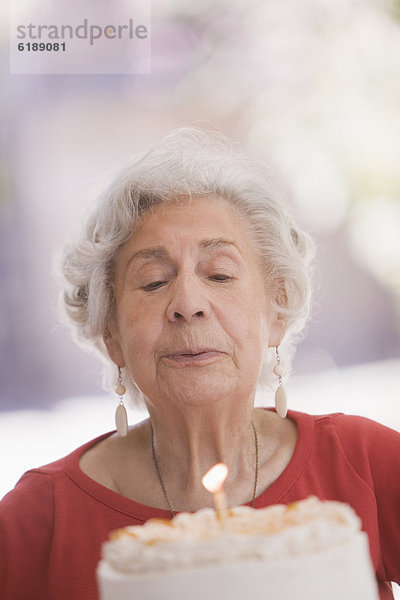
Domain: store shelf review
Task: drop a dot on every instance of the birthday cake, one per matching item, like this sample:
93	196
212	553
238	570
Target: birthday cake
306	550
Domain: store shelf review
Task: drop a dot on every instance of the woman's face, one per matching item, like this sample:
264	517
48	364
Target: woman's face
192	316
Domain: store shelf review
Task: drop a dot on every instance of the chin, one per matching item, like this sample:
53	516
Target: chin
201	391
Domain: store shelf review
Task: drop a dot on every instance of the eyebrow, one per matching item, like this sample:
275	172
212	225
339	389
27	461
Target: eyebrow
216	243
151	252
160	252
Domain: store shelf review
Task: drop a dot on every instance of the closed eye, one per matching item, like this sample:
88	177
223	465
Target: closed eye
220	277
154	285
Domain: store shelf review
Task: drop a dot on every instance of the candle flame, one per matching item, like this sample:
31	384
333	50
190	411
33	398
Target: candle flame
214	478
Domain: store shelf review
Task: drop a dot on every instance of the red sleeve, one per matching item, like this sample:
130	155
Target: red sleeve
26	522
374	452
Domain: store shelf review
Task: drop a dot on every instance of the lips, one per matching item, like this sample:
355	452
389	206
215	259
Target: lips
193	356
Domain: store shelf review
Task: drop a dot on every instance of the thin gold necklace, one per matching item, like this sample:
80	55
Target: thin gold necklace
162	482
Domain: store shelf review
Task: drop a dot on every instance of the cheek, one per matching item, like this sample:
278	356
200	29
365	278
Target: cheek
244	317
140	327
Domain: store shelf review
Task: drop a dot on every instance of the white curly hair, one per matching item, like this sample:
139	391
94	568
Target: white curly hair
188	162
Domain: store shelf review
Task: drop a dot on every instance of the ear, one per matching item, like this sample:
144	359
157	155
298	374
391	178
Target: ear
111	340
277	330
278	324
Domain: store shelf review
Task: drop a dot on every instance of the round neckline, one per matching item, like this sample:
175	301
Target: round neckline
272	495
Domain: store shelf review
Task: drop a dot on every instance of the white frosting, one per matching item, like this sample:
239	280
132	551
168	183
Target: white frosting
194	539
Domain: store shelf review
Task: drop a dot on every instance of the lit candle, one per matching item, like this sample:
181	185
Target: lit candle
213	481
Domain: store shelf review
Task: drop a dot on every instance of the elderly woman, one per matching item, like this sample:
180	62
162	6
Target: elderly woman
189	276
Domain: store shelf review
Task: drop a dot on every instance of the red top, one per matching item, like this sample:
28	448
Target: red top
53	523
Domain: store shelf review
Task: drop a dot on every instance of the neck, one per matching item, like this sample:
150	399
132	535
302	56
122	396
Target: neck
188	442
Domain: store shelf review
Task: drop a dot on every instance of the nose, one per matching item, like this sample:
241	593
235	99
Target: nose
189	301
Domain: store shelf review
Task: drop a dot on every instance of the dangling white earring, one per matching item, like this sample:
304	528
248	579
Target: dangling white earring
280	394
121	417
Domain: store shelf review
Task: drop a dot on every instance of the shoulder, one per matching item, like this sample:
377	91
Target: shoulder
357	436
370	447
346	425
361	437
361	429
70	459
38	482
